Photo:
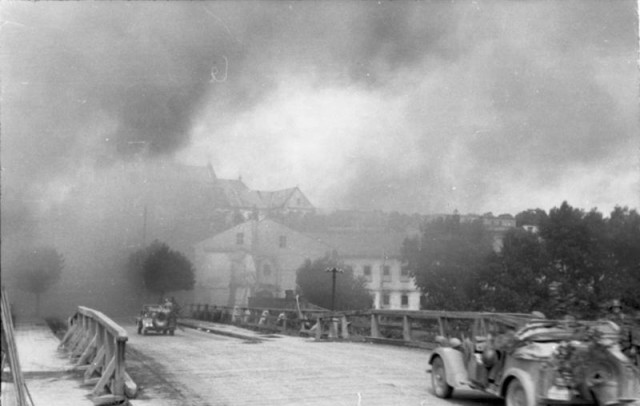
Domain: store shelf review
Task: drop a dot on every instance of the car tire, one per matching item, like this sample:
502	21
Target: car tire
171	332
144	331
517	394
160	320
439	379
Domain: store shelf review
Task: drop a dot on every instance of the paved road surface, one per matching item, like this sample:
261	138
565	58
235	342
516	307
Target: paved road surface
199	368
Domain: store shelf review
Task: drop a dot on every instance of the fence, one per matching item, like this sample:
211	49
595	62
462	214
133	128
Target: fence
97	345
10	355
286	321
419	328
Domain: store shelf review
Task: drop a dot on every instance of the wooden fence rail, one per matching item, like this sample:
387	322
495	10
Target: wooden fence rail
10	355
420	328
97	345
286	321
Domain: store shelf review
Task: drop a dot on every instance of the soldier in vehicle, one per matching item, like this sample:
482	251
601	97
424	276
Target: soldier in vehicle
615	311
629	331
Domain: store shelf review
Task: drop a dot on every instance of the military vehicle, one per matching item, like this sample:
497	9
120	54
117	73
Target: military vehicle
157	318
530	362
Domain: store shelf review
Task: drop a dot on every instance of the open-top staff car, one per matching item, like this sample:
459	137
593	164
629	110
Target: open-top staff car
532	362
159	318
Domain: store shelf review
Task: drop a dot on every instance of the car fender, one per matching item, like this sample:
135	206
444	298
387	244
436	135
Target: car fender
525	379
456	372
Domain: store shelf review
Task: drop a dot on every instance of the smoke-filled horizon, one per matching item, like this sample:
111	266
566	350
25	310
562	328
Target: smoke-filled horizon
409	106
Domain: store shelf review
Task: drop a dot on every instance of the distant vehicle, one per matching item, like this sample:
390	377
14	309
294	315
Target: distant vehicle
537	361
157	318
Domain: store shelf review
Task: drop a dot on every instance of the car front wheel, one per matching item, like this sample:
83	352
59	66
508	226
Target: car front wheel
517	394
439	379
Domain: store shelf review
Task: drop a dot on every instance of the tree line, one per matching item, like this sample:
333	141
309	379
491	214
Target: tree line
568	262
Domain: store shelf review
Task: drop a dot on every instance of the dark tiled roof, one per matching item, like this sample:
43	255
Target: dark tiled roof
276	198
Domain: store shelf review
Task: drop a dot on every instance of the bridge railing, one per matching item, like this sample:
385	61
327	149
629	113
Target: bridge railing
418	328
97	345
286	321
10	355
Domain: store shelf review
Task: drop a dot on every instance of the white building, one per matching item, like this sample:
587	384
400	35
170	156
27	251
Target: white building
377	257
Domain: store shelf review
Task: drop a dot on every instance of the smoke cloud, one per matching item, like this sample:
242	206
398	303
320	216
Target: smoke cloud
409	106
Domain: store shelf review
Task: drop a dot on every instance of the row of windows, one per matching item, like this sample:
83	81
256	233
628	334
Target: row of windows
282	241
386	273
386	300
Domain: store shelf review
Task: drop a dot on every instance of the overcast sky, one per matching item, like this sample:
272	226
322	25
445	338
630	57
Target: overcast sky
412	106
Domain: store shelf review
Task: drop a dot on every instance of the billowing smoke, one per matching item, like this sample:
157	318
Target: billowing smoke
444	104
408	106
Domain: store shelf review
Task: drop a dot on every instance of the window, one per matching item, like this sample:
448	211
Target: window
283	241
404	274
367	272
240	238
385	299
266	270
386	273
404	301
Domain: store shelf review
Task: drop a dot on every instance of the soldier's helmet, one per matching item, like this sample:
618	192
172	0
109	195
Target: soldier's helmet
615	304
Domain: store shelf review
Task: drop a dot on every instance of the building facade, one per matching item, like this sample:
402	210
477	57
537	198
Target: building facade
260	258
255	258
376	256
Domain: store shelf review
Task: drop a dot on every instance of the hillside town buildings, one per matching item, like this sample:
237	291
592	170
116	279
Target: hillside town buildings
261	257
238	239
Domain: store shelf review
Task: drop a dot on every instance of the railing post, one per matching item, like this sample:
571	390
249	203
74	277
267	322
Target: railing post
441	325
345	326
375	326
406	328
119	372
333	327
319	328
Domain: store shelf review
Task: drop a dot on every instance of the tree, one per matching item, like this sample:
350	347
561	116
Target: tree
517	278
531	217
444	262
316	285
576	244
162	269
623	239
37	270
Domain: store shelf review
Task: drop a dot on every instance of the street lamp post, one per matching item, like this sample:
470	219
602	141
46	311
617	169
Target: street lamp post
334	271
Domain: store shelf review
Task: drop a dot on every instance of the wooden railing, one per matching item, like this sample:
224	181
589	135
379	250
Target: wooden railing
286	321
10	355
97	345
419	328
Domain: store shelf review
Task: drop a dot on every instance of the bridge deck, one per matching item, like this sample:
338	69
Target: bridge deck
241	368
199	368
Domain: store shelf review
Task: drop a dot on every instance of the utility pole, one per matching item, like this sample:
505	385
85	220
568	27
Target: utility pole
334	271
144	226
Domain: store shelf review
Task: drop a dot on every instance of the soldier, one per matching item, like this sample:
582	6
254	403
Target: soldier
629	332
615	311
